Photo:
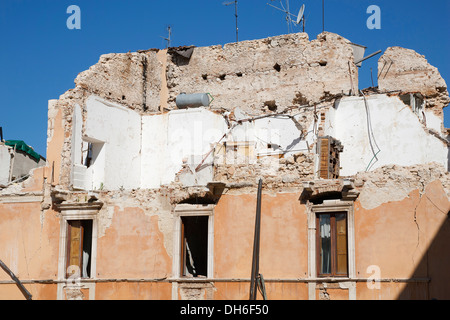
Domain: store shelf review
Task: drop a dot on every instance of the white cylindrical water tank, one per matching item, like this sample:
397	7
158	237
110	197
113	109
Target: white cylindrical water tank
194	100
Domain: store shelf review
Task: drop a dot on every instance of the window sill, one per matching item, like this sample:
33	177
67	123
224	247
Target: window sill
331	279
190	280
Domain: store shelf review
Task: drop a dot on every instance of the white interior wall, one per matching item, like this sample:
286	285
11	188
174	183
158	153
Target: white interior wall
397	132
154	147
281	131
174	137
123	157
433	121
116	135
5	164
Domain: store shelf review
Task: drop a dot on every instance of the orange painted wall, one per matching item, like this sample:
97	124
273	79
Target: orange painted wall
283	236
274	290
407	239
133	291
29	244
132	247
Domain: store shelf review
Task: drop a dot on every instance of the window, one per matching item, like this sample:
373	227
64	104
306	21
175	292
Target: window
194	240
194	246
79	248
331	241
415	101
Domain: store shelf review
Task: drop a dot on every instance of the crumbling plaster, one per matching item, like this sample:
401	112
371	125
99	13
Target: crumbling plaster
251	73
394	182
283	90
381	131
404	70
135	79
286	83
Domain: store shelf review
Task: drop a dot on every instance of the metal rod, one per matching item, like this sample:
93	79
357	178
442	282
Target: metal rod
371	77
24	291
288	19
256	244
323	15
288	13
236	14
369	56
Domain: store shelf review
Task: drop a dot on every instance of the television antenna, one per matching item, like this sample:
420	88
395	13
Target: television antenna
289	16
168	39
235	14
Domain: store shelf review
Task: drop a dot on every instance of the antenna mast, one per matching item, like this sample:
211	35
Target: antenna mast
299	18
169	30
323	15
235	14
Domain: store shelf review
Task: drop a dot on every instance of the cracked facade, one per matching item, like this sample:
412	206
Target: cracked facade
144	199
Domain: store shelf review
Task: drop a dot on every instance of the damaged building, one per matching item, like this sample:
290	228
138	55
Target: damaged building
154	159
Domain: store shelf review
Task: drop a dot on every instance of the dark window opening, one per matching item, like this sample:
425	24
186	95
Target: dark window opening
194	246
88	160
199	200
415	101
277	67
332	248
79	248
328	195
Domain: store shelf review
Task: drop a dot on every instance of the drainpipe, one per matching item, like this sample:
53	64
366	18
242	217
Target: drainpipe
17	281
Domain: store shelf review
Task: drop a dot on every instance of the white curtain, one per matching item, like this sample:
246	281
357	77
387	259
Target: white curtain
325	247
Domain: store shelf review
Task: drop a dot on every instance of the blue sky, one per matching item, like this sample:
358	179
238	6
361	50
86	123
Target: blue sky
40	57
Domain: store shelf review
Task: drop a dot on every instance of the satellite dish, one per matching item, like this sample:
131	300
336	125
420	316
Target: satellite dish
300	14
290	16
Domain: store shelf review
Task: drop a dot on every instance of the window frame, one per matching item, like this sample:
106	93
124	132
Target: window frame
81	247
77	211
333	245
326	207
189	210
184	245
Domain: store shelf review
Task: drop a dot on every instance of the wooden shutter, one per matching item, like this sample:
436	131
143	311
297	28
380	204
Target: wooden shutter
341	244
328	150
75	235
324	157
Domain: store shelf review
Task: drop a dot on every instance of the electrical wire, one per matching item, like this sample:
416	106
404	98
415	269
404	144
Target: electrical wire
371	136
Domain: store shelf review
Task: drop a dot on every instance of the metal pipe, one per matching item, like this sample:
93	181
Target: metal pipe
17	281
369	56
323	15
256	243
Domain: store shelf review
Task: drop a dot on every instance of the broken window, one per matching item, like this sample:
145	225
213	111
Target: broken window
328	151
194	246
332	248
415	101
79	248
